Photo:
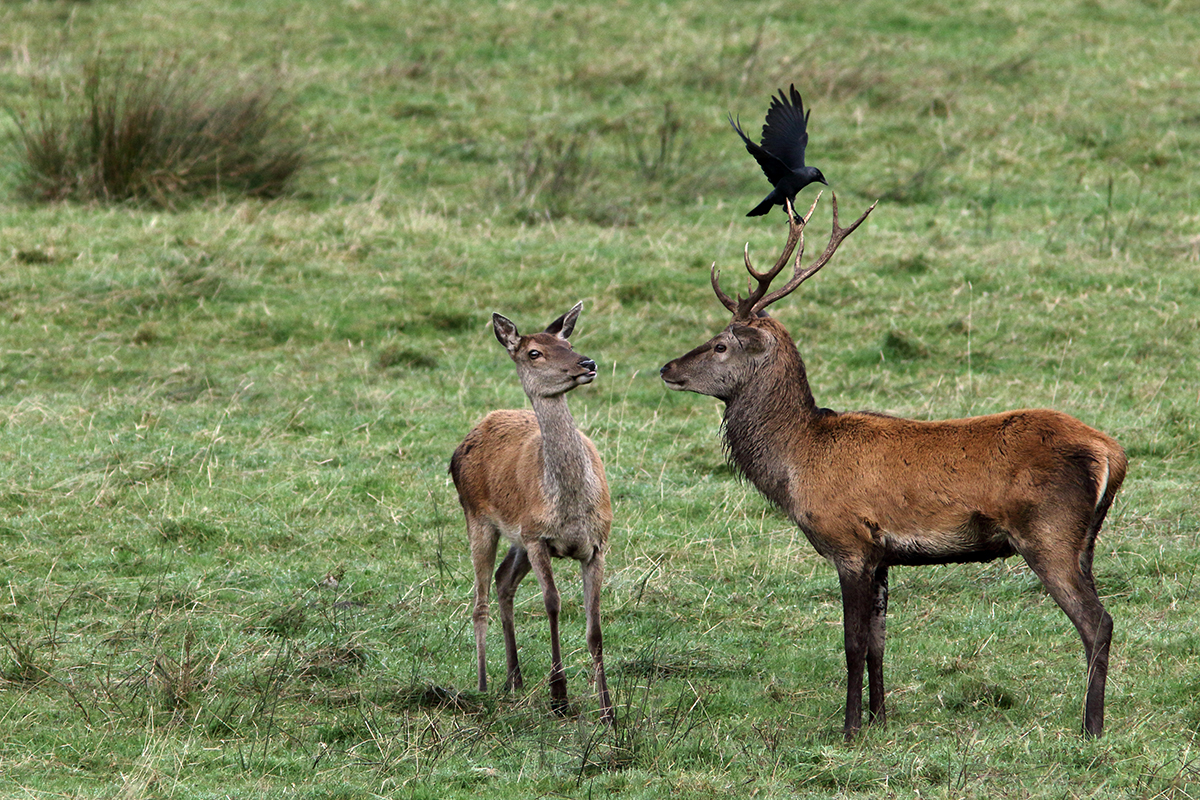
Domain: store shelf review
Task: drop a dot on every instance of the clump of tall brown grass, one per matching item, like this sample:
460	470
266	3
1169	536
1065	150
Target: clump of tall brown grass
156	134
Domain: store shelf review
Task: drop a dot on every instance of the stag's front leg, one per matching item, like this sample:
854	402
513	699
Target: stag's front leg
593	578
539	558
875	644
509	575
857	602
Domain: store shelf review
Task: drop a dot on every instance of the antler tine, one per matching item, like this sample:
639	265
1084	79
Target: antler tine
795	231
813	207
714	275
800	275
750	306
836	237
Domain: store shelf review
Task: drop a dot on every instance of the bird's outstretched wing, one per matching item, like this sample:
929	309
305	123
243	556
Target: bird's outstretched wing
775	168
785	132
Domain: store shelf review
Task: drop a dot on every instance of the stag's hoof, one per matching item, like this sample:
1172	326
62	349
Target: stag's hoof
562	708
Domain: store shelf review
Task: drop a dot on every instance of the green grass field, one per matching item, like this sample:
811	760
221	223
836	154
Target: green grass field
234	564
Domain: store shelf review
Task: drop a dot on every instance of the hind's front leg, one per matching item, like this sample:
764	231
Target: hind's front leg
512	570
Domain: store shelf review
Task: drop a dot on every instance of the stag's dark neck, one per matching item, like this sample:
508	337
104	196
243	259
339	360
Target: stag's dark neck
764	418
567	474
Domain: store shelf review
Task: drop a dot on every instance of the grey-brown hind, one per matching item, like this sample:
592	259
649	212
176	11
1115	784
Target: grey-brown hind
533	478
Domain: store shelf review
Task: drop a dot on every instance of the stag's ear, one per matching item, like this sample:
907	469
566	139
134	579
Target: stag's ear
753	340
564	325
506	332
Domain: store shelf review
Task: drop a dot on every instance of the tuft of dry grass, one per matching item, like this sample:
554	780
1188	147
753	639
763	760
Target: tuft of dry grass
156	134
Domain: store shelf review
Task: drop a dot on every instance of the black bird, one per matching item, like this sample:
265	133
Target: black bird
781	154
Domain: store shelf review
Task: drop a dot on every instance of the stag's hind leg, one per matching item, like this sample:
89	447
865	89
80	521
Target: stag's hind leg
1066	573
509	574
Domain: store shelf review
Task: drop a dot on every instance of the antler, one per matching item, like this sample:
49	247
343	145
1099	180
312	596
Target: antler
759	299
742	308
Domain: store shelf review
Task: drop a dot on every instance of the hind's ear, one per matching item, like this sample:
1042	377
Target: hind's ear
506	332
565	325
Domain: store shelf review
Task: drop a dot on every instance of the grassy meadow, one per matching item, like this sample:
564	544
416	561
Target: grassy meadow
233	562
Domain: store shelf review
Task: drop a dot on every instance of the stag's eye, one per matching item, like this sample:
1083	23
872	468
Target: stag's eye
535	354
720	348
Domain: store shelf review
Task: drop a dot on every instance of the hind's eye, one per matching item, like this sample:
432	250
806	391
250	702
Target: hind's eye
720	348
534	354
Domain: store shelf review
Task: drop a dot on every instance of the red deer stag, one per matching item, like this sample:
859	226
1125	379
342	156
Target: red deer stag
872	491
533	477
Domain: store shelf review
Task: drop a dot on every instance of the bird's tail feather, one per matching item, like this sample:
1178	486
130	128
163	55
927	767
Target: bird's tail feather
761	208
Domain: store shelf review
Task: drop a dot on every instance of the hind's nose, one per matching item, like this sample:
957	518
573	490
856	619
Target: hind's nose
588	364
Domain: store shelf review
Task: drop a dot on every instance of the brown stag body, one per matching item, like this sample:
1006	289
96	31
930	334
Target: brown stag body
871	491
533	478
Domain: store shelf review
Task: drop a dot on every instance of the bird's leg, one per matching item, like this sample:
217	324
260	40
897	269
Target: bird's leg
789	208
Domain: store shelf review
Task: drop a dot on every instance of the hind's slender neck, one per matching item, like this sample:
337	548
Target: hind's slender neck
567	475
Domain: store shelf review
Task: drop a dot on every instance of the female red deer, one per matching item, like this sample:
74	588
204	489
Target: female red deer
872	491
533	477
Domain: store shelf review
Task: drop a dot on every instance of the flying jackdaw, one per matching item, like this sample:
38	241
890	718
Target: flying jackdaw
781	154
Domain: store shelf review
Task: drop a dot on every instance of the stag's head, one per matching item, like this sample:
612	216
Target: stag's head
723	365
546	363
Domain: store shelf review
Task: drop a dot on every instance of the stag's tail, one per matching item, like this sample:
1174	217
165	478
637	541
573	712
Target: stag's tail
1112	463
